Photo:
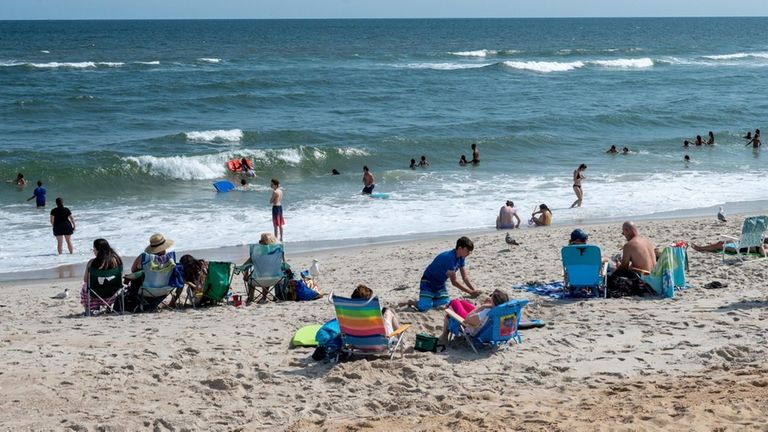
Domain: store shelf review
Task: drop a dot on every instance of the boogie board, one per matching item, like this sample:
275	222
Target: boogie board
305	336
223	186
379	195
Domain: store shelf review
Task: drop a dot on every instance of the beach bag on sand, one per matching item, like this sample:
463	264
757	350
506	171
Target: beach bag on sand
328	340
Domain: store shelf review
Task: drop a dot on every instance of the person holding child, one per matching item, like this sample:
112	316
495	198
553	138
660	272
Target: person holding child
433	292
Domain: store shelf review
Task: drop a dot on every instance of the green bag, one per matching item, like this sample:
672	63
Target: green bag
425	342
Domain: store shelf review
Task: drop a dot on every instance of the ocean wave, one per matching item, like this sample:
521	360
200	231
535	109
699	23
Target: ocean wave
230	135
45	51
640	63
151	63
352	151
445	66
738	56
476	53
544	67
182	167
209	60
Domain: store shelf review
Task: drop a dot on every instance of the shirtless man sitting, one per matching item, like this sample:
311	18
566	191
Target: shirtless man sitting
637	255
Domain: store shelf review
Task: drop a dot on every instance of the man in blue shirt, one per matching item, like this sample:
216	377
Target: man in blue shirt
433	292
39	195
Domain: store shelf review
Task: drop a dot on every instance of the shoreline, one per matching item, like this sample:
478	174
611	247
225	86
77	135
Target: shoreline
238	254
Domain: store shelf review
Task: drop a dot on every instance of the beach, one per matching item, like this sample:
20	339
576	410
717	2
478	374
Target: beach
693	362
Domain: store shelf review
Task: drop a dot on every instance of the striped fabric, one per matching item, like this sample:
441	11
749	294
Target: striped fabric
361	323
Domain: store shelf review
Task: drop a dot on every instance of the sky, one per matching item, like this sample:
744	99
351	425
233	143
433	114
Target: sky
254	9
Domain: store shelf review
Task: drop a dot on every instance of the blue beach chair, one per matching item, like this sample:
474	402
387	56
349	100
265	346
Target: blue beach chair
584	270
264	271
500	328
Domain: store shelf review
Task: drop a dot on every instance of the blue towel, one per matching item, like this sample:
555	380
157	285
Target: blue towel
554	289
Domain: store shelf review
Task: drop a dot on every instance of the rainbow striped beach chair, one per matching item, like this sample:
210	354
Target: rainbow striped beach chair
362	328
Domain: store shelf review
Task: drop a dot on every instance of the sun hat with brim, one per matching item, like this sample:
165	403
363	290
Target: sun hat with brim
578	235
158	243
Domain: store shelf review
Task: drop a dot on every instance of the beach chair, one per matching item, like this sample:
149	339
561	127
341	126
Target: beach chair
217	282
265	270
584	270
752	237
104	288
500	328
362	328
155	287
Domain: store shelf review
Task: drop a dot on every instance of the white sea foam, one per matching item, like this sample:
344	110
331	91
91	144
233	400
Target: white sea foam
476	53
445	66
738	56
352	151
289	155
45	52
110	64
209	60
544	67
154	62
230	135
73	65
640	63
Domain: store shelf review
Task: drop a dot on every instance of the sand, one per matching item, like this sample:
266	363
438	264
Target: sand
695	362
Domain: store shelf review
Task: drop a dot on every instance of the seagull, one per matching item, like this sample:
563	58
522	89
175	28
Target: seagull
62	295
314	269
510	241
721	215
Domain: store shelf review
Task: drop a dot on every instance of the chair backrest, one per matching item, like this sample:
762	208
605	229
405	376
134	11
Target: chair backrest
105	283
157	269
267	263
361	323
753	231
502	322
218	280
582	264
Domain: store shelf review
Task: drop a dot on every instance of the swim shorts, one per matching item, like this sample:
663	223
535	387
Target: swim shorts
277	216
367	190
432	295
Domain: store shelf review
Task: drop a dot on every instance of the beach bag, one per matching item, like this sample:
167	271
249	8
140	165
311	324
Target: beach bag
425	342
328	340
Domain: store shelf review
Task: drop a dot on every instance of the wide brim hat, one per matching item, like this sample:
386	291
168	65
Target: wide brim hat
158	243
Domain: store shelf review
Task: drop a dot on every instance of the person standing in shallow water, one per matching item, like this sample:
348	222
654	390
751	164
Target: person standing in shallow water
578	176
63	226
369	181
475	154
277	208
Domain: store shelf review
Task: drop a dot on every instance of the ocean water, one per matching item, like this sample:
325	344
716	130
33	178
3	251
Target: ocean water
131	122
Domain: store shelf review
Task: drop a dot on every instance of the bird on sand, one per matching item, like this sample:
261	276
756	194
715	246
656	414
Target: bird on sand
62	295
510	241
314	269
721	215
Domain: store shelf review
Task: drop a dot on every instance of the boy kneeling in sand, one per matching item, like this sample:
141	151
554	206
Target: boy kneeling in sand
433	292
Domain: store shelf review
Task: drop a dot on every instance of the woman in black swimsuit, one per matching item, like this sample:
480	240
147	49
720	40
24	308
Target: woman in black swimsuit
577	178
63	225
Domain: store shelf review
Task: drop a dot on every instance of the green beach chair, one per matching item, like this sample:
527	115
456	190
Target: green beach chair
217	282
752	236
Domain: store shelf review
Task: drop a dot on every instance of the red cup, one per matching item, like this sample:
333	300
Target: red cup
237	300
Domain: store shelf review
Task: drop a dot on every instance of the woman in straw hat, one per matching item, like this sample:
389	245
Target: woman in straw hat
156	251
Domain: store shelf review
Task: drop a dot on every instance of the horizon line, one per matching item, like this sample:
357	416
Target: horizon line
380	18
